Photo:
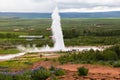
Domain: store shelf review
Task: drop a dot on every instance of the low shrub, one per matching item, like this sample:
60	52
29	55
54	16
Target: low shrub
53	77
6	77
116	64
59	72
116	49
52	68
41	74
23	76
82	71
65	58
109	55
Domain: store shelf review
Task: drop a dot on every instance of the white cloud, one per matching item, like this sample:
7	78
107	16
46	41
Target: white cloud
101	2
94	9
26	6
64	5
89	5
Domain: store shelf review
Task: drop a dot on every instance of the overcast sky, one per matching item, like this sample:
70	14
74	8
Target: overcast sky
63	5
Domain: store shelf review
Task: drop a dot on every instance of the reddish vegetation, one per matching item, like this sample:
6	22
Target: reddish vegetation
96	72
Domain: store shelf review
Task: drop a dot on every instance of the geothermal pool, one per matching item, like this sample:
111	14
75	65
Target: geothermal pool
48	49
10	56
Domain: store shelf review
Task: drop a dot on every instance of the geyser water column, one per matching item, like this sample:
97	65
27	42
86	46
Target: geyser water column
57	31
57	38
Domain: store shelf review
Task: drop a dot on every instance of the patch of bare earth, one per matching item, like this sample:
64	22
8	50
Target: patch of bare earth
96	72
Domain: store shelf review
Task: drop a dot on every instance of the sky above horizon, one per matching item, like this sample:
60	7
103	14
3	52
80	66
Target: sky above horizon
63	5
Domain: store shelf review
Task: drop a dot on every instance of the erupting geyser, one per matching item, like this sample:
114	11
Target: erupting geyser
57	31
57	37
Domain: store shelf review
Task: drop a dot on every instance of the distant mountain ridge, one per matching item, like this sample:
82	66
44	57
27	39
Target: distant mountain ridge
112	14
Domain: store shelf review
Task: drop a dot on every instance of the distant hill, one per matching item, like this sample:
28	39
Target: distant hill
113	14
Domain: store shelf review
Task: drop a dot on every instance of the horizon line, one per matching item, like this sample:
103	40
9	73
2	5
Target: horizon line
59	12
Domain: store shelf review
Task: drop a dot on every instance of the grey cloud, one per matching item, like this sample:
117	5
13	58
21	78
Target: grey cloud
86	4
48	5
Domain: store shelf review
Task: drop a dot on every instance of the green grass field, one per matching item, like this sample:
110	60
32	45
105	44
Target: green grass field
77	32
9	51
